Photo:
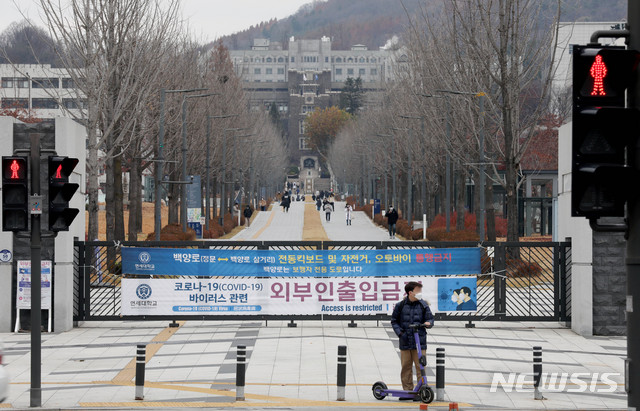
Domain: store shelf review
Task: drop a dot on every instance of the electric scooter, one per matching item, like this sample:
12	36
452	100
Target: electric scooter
421	391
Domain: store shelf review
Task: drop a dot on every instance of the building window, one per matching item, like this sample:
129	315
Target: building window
326	59
373	59
44	103
74	103
362	60
269	60
68	83
280	60
15	103
7	82
301	127
350	72
304	145
362	72
293	59
307	109
22	82
280	70
256	71
374	72
338	72
350	60
45	83
269	71
339	60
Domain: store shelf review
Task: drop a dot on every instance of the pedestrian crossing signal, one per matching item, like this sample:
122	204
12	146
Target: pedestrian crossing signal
15	196
60	192
603	130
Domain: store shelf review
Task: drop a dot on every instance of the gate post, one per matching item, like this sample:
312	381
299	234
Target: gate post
499	281
87	269
81	263
563	281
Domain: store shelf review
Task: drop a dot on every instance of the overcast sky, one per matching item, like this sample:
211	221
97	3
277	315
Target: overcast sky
208	19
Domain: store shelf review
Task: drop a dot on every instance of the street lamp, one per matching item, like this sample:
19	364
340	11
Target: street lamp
481	171
233	172
183	203
410	170
160	159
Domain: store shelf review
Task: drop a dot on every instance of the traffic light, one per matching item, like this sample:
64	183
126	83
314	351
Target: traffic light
60	193
15	195
603	131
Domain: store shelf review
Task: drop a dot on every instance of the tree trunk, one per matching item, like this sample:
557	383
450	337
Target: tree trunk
442	194
118	198
93	171
460	196
134	204
173	195
512	201
490	212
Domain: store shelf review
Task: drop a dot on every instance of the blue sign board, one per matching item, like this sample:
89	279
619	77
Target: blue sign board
194	193
376	206
300	263
197	227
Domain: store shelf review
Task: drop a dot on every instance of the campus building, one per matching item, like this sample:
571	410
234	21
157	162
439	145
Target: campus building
305	76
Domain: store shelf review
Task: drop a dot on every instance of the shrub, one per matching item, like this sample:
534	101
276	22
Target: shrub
518	268
469	223
440	234
173	232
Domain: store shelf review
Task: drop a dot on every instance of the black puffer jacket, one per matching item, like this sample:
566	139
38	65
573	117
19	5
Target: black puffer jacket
406	313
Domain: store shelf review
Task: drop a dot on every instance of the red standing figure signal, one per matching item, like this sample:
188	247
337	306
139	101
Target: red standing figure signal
59	172
15	167
598	72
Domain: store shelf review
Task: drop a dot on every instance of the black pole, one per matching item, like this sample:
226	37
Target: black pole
439	374
141	360
537	372
36	280
342	371
632	366
240	372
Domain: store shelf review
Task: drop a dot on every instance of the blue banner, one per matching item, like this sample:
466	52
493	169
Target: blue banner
300	263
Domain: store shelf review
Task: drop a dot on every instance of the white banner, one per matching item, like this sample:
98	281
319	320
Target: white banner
23	295
290	296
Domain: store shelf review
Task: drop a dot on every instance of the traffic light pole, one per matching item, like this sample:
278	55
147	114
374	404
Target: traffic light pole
632	362
36	281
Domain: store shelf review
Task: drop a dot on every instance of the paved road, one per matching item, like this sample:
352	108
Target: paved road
361	228
276	224
295	368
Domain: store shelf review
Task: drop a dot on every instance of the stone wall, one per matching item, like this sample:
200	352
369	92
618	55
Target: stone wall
609	284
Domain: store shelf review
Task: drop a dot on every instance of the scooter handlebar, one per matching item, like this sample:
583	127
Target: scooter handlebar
417	326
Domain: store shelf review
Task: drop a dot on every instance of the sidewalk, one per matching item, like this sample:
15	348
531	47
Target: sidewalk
276	224
296	367
361	228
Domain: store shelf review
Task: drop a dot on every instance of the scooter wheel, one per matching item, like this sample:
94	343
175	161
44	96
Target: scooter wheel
379	389
426	394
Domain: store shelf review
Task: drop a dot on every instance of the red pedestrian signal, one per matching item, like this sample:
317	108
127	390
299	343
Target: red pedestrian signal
15	196
61	191
598	72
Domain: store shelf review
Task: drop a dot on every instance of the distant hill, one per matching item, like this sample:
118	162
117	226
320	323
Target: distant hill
373	22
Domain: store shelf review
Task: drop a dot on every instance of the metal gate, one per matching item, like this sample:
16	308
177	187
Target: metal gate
520	281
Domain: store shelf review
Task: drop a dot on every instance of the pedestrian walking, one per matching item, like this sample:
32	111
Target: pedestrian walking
235	210
392	218
328	209
286	202
263	204
411	310
248	212
318	203
347	211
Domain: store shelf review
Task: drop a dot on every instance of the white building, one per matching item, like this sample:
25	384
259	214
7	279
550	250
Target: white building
45	91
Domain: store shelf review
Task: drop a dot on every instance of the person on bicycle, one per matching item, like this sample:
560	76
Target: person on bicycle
411	310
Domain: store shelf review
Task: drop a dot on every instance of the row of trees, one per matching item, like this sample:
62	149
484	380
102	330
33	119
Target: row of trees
120	54
492	52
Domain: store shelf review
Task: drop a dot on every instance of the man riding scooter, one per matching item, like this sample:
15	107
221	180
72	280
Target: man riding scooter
411	310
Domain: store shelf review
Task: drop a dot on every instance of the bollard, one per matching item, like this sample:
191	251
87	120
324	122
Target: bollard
439	374
352	324
537	372
342	371
292	324
240	372
141	360
453	406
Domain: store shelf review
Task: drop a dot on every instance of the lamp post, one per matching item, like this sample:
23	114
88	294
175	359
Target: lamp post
183	202
233	173
410	169
208	169
160	159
